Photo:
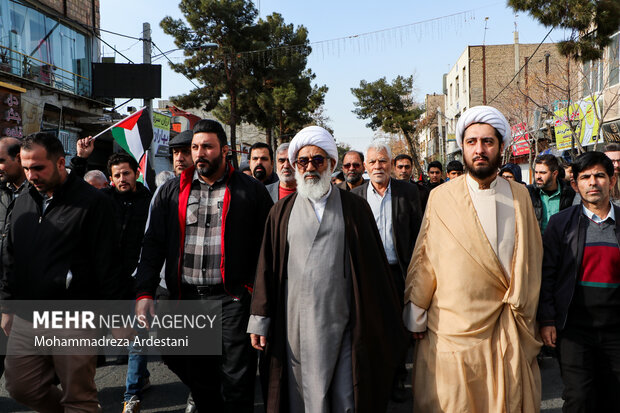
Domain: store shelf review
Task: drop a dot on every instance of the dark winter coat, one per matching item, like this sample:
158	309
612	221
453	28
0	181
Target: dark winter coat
563	243
245	209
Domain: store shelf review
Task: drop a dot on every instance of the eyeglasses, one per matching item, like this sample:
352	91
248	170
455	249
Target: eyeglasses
349	165
317	160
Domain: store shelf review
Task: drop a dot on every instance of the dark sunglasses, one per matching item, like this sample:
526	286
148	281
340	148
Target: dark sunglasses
348	165
317	160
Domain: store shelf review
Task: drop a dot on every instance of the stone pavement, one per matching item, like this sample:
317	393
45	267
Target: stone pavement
169	395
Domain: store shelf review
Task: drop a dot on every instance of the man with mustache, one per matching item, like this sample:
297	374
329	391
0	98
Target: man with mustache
207	225
353	169
286	174
549	194
326	312
261	163
179	148
398	214
579	309
473	284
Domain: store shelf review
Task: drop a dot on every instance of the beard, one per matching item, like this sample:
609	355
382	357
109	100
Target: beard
484	172
211	168
286	178
315	188
353	177
259	172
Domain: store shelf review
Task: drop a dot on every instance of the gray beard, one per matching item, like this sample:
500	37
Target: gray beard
310	189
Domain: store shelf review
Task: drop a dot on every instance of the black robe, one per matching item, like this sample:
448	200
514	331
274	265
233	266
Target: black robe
378	336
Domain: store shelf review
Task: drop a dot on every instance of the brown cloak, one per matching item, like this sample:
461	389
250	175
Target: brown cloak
479	353
378	336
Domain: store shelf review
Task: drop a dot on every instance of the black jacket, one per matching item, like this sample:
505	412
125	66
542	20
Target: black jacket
76	233
406	217
563	241
567	195
131	210
245	209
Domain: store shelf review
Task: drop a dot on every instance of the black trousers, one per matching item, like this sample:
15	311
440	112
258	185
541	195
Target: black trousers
590	367
222	383
399	281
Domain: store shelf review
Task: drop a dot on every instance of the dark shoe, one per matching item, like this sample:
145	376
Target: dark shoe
191	407
400	393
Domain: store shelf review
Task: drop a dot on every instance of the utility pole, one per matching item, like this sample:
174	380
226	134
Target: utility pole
148	103
146	57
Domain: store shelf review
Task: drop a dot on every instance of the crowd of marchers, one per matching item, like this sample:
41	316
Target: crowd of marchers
326	279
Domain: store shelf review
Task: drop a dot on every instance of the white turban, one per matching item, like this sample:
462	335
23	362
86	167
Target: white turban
483	114
313	135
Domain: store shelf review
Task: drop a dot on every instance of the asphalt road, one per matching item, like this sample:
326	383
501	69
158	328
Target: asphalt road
169	395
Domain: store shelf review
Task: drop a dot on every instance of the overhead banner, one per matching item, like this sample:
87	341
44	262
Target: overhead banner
585	120
520	139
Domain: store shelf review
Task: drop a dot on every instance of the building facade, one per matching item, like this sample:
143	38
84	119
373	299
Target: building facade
47	48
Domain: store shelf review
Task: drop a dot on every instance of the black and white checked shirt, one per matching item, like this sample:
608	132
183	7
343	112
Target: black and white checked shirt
203	238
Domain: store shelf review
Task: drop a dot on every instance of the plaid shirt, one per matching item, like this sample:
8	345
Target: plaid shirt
203	240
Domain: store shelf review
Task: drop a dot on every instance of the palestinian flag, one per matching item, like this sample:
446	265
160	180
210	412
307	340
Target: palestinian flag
134	134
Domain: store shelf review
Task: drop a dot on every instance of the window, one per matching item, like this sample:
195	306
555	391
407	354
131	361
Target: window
43	49
457	87
464	82
614	54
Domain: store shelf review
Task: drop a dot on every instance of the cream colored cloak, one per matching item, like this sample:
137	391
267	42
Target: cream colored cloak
479	353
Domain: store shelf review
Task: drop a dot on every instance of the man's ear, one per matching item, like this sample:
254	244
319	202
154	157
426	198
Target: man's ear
573	185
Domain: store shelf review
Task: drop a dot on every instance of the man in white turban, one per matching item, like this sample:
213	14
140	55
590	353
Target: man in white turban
473	284
324	309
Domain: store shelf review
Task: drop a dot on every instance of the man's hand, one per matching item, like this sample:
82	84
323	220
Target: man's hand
549	335
85	147
258	342
144	308
7	323
418	336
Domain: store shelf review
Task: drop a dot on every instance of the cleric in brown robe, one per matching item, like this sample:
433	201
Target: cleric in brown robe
324	309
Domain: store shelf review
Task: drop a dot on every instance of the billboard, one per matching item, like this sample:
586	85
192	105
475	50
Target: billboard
586	122
520	139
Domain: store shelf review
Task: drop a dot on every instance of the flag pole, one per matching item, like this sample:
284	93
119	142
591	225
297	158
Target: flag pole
107	129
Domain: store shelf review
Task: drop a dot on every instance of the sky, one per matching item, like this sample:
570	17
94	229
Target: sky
426	39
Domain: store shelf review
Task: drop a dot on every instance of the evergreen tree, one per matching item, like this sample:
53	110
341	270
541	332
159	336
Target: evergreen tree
390	107
231	25
592	22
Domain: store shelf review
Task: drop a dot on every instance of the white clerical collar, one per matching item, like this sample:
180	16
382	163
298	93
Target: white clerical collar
475	186
596	218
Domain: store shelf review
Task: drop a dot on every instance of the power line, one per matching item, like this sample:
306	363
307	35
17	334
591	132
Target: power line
171	62
113	48
526	62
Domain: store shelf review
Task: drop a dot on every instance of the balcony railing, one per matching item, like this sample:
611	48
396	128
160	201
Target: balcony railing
39	71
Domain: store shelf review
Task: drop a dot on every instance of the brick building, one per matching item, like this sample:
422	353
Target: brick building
480	76
47	48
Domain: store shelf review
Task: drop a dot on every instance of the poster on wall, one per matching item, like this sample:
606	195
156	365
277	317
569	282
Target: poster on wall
520	139
161	134
583	115
11	113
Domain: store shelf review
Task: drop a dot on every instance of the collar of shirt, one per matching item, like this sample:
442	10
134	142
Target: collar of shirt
19	188
611	215
387	191
475	186
553	195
